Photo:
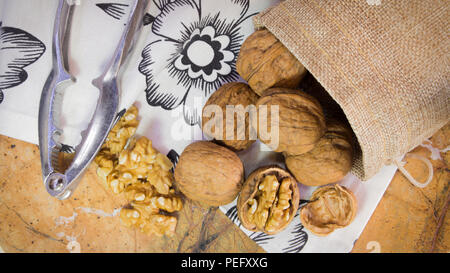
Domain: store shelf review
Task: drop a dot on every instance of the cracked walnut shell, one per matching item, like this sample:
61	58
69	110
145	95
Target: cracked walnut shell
242	98
331	207
300	124
269	200
264	62
329	161
209	173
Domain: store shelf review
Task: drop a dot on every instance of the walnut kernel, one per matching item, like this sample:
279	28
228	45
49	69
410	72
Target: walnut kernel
268	200
143	175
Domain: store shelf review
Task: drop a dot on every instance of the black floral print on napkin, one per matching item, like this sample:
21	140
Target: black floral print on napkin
173	157
298	240
115	10
293	242
192	51
148	19
18	49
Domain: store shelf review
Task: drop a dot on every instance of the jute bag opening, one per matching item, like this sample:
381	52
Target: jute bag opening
384	63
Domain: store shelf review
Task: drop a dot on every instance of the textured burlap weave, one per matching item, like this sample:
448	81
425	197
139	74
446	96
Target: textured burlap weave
386	63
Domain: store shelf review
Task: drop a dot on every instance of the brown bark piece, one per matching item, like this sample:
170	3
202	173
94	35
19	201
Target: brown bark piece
33	221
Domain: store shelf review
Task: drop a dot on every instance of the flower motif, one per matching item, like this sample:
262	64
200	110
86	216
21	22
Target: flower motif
205	55
192	51
18	49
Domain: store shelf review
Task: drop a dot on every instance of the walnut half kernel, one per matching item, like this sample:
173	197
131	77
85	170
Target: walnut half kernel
147	216
269	200
144	175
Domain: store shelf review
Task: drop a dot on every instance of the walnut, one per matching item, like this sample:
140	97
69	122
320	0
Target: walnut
209	173
143	175
264	62
243	100
160	225
268	200
143	162
117	180
139	193
122	131
331	207
300	124
329	161
105	164
149	222
144	210
167	203
160	178
115	142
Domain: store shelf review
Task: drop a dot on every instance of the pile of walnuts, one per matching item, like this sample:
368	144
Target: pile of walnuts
133	167
317	149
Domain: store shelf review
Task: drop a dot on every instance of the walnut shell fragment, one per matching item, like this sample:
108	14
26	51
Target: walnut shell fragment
239	99
264	62
329	161
269	200
301	122
331	207
209	173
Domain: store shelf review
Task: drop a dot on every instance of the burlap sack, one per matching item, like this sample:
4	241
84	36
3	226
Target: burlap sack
386	63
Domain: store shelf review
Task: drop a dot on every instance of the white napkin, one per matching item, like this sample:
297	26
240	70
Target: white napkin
185	51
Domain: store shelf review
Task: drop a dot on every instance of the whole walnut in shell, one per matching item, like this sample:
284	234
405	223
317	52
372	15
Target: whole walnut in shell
240	100
329	161
269	200
300	124
331	207
209	173
264	62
